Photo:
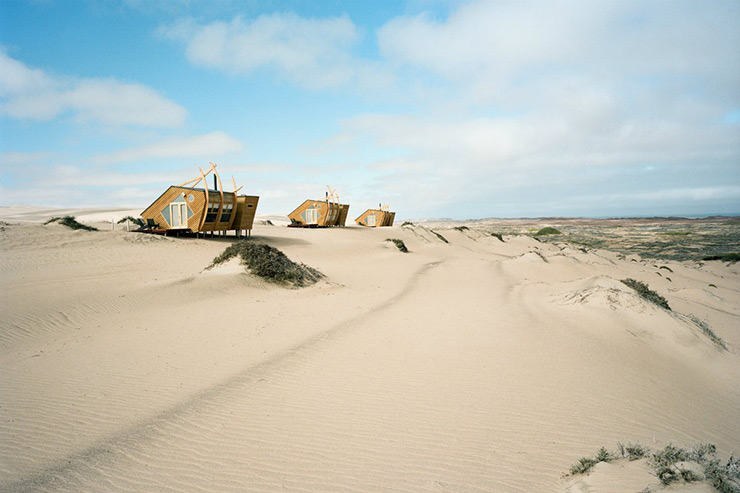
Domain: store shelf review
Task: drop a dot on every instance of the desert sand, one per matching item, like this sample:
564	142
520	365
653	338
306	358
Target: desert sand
472	365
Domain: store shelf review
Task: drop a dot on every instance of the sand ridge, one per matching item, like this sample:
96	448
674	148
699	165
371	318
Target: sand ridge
467	365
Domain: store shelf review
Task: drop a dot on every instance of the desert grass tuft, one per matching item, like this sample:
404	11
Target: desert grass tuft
632	451
70	222
499	236
399	244
584	465
270	264
439	236
646	293
461	228
136	220
707	330
407	223
666	464
548	231
725	257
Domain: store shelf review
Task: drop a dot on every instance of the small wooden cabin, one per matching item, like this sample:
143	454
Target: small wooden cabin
374	218
320	213
190	209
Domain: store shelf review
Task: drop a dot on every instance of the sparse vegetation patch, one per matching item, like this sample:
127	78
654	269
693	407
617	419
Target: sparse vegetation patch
439	236
548	231
725	257
70	222
399	244
672	464
270	264
136	220
708	332
646	293
499	236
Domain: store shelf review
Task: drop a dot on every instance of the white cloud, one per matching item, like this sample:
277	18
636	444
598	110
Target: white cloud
513	42
31	94
14	158
314	53
212	144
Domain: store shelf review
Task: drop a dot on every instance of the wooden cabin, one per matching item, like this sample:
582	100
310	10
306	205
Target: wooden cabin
189	208
374	218
320	213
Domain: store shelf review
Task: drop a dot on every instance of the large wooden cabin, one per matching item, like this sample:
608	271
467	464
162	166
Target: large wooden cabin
320	213
192	209
374	218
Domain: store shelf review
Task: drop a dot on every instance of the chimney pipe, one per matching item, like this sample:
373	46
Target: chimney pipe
215	185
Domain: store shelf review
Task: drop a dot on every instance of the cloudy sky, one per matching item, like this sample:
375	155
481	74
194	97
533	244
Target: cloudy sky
461	109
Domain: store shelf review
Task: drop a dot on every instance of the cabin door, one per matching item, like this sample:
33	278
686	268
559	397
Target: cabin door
179	215
312	216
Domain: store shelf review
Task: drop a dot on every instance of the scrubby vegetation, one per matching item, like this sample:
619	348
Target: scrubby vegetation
548	231
439	236
399	244
725	257
646	293
461	228
499	236
632	451
584	465
708	332
269	263
668	464
407	223
70	222
136	220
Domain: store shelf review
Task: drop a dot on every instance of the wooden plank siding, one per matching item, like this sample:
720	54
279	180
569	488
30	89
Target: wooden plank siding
246	209
198	204
327	213
381	218
154	211
343	213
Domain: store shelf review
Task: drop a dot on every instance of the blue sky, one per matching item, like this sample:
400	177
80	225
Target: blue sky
461	109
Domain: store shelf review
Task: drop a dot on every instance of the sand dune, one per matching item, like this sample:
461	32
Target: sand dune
467	365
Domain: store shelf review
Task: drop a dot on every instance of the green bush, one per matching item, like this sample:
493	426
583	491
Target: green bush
584	465
548	231
439	236
269	263
708	332
399	244
725	257
136	220
70	222
646	293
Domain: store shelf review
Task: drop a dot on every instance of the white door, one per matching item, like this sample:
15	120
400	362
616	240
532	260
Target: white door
179	215
312	216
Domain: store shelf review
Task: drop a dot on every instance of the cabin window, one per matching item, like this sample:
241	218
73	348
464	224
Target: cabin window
212	212
371	219
226	213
